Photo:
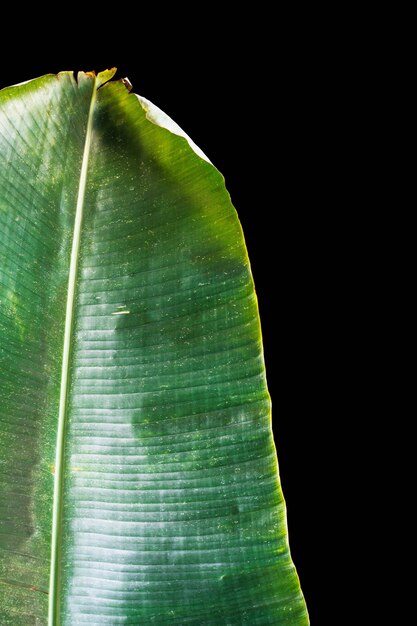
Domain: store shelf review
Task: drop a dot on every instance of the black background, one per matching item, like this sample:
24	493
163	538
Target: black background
246	104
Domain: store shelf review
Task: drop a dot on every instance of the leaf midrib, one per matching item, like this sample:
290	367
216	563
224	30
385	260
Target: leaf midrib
54	581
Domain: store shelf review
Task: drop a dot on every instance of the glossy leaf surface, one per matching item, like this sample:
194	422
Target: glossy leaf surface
138	474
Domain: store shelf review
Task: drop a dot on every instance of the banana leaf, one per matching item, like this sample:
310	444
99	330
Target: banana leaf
138	474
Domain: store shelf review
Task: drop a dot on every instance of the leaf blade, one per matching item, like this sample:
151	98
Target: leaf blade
172	506
39	160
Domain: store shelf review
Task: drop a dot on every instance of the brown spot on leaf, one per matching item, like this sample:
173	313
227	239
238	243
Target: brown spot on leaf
126	82
40	590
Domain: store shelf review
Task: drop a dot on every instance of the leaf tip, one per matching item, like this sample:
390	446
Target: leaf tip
106	75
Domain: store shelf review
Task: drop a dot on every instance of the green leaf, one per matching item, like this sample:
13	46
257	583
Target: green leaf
138	474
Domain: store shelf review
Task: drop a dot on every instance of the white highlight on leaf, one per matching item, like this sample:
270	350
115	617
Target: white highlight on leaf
158	117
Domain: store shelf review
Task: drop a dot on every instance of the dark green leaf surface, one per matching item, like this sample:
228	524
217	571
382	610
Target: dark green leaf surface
167	506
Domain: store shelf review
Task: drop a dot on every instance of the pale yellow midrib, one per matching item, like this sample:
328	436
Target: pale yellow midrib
53	610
